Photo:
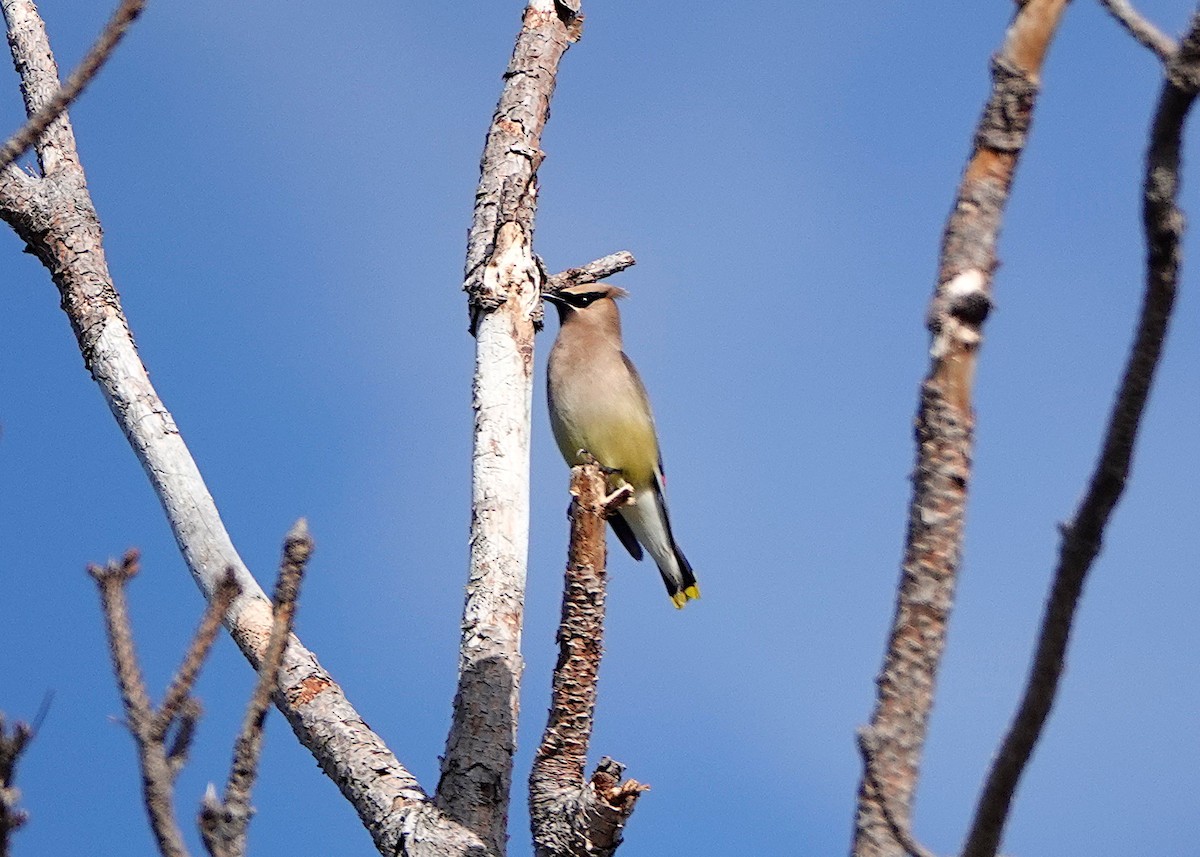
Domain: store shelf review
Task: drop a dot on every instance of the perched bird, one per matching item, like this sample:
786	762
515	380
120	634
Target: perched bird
598	405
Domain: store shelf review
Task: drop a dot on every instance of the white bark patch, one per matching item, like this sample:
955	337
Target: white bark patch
966	283
512	271
477	766
951	330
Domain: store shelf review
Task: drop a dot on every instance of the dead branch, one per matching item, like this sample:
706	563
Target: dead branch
13	742
223	822
55	217
592	272
179	693
1083	536
899	824
158	775
960	305
1141	29
571	816
503	280
52	108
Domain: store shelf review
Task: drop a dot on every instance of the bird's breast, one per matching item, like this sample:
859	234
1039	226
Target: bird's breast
600	408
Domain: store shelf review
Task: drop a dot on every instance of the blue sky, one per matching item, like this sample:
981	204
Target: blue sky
285	194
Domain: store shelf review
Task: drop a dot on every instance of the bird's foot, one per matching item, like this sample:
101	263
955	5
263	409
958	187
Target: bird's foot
623	496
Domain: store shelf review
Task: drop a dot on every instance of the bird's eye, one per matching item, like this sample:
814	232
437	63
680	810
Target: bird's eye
584	300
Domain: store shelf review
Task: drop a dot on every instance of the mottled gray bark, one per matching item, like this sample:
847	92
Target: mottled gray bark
893	741
571	816
1083	535
503	279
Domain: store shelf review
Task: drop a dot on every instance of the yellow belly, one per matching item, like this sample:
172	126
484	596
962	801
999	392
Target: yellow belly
628	446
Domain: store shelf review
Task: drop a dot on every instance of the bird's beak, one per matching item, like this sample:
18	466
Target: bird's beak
554	298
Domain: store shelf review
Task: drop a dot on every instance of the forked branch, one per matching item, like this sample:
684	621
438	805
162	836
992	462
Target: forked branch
55	217
159	763
52	107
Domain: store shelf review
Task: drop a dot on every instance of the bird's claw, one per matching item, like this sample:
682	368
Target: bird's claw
623	496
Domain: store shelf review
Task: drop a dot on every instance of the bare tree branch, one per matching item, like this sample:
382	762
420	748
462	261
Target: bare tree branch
1082	537
592	272
158	777
571	816
503	279
899	824
55	216
180	689
959	307
1141	29
52	108
13	743
186	719
223	822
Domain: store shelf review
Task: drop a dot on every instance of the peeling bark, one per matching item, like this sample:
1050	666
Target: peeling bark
503	280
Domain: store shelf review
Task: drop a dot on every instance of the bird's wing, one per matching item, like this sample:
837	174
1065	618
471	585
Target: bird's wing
644	399
621	527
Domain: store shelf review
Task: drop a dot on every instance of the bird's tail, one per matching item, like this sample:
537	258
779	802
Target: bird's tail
684	588
649	525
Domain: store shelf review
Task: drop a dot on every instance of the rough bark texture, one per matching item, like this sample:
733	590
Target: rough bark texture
592	272
571	816
895	737
55	216
503	279
1082	537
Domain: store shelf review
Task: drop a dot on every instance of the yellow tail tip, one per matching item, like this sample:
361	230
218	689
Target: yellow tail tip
689	594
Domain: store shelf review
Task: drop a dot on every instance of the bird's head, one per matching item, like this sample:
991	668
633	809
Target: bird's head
590	300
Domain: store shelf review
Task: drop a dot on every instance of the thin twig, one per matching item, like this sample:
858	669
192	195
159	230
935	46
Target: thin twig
1141	29
944	434
157	775
186	718
83	74
223	822
181	685
12	744
1082	537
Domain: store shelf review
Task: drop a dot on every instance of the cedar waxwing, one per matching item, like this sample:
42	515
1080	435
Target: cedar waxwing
598	405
